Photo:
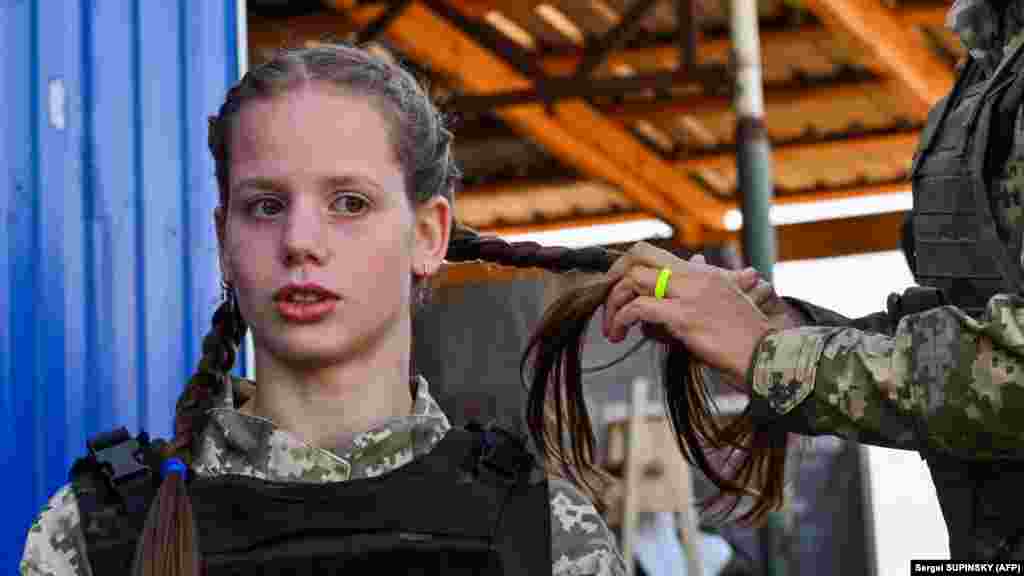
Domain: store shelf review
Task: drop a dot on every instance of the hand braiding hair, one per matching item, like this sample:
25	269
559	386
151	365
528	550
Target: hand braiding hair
556	352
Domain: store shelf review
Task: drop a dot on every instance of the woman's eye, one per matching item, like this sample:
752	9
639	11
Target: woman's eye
352	204
265	207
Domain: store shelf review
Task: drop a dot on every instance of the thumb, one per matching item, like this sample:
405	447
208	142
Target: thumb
747	279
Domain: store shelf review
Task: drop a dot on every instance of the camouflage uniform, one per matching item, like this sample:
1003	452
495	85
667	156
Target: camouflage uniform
947	382
234	443
979	28
962	394
964	397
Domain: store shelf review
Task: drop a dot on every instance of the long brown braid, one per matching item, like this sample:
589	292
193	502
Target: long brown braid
170	519
168	545
220	346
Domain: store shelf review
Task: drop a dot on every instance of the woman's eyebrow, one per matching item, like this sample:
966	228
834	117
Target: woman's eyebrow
257	182
351	180
329	182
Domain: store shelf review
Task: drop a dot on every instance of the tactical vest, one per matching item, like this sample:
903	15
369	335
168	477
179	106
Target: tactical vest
958	246
476	504
960	249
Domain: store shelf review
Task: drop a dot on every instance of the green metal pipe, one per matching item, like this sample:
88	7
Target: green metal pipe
753	154
754	180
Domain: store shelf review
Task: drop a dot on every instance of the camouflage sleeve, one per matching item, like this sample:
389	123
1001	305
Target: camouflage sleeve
943	381
581	543
56	545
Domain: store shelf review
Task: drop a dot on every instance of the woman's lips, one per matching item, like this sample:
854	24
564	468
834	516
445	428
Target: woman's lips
305	312
304	303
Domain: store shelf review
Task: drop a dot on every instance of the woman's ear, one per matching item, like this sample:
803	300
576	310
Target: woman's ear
433	229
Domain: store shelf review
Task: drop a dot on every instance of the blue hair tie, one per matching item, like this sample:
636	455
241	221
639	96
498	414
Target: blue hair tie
172	465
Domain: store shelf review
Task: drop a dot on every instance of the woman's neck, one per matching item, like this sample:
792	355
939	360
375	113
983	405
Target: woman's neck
328	406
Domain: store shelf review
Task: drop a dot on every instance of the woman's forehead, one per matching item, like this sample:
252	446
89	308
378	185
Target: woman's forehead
313	128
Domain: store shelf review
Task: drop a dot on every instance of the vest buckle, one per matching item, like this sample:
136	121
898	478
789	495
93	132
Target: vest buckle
119	456
502	452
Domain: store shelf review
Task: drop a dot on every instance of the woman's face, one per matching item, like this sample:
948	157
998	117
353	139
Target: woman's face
319	238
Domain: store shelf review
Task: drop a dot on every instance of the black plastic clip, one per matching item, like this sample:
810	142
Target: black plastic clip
914	300
503	452
121	457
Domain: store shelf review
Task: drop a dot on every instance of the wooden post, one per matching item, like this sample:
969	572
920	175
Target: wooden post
633	466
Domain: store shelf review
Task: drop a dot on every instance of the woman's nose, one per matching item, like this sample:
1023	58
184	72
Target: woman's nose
303	239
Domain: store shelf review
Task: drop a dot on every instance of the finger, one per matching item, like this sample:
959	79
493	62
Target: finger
761	293
621	293
639	253
619	268
645	280
746	279
646	254
641	309
699	259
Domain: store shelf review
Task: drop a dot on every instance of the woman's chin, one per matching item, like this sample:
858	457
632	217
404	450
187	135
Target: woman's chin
309	346
310	349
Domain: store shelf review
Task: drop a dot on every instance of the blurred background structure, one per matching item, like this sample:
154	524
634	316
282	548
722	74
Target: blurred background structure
577	122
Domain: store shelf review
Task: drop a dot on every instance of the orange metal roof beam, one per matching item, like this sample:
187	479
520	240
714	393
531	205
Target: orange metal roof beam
925	15
719	47
577	134
883	32
700	105
783	200
793	152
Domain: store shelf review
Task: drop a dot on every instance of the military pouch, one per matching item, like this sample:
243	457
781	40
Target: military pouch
914	300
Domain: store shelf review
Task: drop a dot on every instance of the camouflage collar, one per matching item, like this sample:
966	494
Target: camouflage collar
236	443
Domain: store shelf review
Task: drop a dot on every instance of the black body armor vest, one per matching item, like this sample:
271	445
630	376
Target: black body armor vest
476	504
961	250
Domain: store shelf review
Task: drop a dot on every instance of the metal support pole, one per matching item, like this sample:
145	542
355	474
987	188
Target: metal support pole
753	164
753	161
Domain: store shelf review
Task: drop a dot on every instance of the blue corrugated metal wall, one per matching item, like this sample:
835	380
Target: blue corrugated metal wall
108	270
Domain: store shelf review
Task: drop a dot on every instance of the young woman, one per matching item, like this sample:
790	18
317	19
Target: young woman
336	180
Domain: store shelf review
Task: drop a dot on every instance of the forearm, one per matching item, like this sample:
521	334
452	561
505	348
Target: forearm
943	379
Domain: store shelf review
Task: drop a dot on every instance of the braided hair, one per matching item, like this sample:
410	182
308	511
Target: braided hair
168	544
220	346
